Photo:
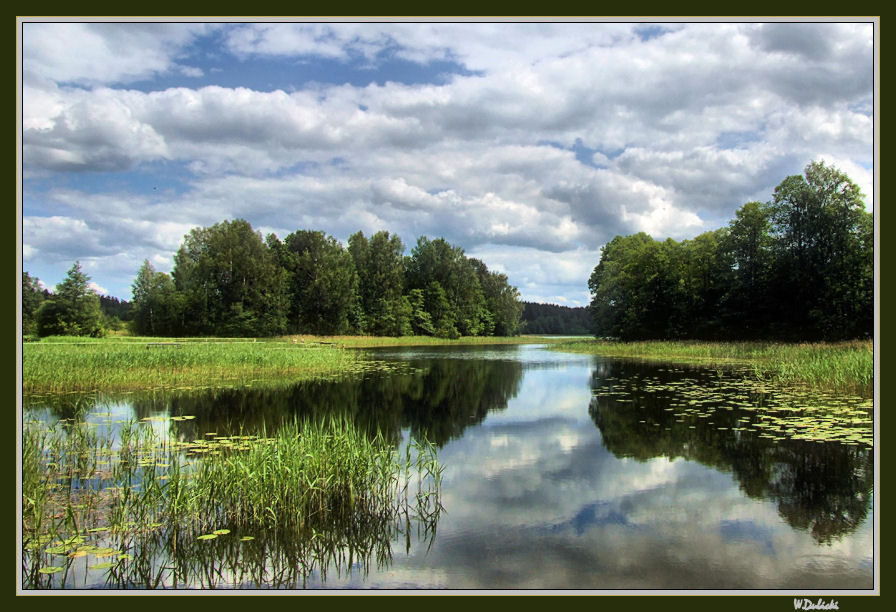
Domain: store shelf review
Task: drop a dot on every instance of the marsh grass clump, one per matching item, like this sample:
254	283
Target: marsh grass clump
147	509
308	475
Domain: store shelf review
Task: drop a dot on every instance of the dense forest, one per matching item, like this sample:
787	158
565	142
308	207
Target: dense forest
800	267
555	319
228	281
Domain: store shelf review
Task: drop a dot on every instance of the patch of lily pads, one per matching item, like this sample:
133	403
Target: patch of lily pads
770	412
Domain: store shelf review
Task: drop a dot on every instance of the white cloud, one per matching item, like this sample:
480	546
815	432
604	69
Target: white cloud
677	130
96	53
95	130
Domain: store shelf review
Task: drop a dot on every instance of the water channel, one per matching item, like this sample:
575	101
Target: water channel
567	471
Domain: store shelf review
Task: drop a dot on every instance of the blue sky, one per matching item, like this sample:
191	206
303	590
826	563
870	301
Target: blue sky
529	144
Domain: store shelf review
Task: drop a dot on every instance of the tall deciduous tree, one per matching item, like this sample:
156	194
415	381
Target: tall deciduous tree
322	284
157	306
437	261
502	302
702	279
631	288
749	310
230	282
824	263
379	262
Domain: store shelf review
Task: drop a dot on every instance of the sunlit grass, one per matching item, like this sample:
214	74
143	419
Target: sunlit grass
122	366
845	366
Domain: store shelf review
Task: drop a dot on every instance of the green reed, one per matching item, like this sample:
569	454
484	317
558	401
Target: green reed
306	474
112	365
314	494
845	366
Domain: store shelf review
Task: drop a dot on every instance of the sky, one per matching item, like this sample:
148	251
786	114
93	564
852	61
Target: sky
528	144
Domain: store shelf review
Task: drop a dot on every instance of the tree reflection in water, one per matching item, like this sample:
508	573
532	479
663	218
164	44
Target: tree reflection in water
643	412
436	399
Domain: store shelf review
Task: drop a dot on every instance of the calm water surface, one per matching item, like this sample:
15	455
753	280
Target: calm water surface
576	472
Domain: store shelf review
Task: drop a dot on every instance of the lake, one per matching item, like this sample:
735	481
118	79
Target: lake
561	471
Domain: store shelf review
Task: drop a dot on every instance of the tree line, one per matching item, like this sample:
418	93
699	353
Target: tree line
799	267
228	281
556	319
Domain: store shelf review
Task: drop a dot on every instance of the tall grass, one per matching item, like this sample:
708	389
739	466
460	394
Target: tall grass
123	366
315	489
843	366
310	475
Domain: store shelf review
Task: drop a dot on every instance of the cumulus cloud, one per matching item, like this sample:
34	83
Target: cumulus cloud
103	52
586	131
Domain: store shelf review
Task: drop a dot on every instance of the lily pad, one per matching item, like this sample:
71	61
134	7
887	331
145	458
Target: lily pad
105	565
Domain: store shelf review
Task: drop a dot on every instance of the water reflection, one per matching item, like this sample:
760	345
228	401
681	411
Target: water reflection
572	472
435	398
822	487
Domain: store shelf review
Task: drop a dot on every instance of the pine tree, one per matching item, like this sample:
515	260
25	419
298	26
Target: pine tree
73	310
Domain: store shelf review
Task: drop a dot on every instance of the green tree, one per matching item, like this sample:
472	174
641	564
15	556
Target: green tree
322	284
421	320
157	306
230	281
699	278
440	262
823	260
748	308
504	309
379	262
32	297
443	315
631	288
74	308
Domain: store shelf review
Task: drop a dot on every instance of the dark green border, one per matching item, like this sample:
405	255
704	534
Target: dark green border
647	600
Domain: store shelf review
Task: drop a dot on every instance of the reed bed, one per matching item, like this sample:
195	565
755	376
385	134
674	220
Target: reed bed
843	366
318	490
308	476
125	366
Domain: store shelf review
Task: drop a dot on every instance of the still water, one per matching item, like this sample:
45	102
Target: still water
577	472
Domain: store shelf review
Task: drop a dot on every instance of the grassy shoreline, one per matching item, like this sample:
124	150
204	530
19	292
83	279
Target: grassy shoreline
843	366
127	363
